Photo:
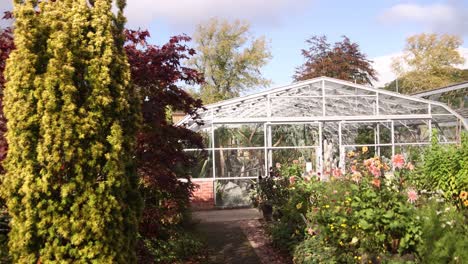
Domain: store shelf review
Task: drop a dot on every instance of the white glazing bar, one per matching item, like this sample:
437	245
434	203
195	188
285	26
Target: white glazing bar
320	156
265	147
323	97
237	178
430	123
341	149
213	156
375	138
311	119
270	153
238	148
328	96
367	145
393	143
378	139
293	147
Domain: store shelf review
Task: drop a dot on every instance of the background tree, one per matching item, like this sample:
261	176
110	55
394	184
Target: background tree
70	180
229	58
343	60
429	61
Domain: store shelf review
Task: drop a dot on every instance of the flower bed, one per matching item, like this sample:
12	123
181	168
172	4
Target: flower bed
374	214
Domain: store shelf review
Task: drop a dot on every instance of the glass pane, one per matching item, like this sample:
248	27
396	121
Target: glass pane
295	135
391	105
296	107
234	193
339	89
411	131
306	158
366	133
203	167
206	135
248	108
447	126
350	106
385	152
239	135
240	163
411	153
358	133
436	109
314	89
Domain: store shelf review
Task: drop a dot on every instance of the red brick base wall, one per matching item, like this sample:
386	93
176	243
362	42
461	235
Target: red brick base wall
203	197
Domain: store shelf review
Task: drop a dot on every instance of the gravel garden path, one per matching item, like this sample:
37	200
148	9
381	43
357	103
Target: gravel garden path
236	236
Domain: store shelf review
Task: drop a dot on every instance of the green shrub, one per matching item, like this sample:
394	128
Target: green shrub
445	234
4	229
179	248
445	168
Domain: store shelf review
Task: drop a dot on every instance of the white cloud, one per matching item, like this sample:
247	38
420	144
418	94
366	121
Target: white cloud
382	65
187	13
441	18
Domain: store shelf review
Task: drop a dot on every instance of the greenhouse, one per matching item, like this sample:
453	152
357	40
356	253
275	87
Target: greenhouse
314	123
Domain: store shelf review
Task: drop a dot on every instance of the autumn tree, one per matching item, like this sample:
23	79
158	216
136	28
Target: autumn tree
157	73
343	60
229	58
428	61
70	182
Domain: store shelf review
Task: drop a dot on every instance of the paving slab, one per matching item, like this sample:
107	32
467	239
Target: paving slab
227	243
224	236
226	215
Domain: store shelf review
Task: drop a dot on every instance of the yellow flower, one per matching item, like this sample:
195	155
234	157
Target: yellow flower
343	225
465	203
298	206
365	149
350	154
463	195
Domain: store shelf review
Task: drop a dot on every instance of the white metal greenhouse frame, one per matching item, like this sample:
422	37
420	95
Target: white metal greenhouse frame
334	107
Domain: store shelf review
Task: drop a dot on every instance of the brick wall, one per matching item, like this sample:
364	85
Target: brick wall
203	197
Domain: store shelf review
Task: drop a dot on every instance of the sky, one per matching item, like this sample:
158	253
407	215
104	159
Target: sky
380	27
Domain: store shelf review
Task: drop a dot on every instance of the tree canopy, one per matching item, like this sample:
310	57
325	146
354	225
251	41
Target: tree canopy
343	60
157	73
229	58
429	61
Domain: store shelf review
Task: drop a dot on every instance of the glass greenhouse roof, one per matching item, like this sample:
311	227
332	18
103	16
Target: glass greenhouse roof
324	99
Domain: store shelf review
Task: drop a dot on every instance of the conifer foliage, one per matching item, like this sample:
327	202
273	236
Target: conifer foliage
71	183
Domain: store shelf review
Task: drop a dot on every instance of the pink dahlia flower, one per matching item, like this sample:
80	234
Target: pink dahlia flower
398	161
412	195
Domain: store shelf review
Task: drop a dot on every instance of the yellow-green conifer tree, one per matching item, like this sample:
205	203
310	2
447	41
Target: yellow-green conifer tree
71	184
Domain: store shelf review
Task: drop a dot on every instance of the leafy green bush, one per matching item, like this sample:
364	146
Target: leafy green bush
180	247
4	229
445	168
445	234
